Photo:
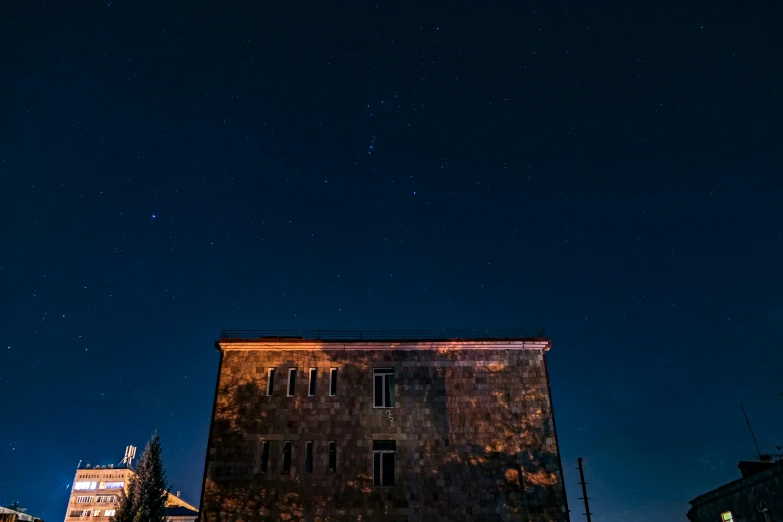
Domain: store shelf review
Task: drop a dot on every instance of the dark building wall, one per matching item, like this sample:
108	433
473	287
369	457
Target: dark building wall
473	430
742	499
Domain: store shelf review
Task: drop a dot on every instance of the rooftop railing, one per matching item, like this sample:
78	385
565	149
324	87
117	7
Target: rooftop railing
386	335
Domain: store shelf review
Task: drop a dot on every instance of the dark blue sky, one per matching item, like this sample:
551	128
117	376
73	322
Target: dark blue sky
611	172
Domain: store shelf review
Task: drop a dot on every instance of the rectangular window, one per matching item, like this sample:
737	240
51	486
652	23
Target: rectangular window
291	381
264	456
106	498
383	387
97	513
270	382
114	485
332	456
84	500
75	513
85	485
287	457
309	456
109	513
726	517
383	462
313	379
333	382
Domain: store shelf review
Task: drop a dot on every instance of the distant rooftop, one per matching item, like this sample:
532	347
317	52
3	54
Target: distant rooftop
752	474
180	511
20	515
384	335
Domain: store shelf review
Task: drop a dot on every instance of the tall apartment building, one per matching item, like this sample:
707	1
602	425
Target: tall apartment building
383	426
95	495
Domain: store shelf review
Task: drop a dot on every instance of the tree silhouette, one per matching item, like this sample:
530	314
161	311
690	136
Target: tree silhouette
126	508
150	505
147	490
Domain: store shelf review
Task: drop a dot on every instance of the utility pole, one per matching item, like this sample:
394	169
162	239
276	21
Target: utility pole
584	490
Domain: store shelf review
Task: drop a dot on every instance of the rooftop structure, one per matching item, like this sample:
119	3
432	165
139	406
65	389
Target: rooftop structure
758	495
12	515
386	335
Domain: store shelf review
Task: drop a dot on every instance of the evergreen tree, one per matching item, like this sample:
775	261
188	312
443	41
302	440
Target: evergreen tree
127	507
153	490
147	491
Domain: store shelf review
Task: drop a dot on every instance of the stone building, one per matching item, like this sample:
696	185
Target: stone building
96	489
756	497
383	426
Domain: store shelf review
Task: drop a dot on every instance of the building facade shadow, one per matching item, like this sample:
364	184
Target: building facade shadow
471	434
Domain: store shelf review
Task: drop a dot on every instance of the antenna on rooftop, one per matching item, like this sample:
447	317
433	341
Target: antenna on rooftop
758	451
130	454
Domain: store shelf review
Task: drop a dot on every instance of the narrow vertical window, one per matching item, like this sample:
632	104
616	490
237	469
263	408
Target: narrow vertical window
376	468
332	456
270	382
291	381
333	381
309	456
383	452
383	387
264	456
286	457
313	379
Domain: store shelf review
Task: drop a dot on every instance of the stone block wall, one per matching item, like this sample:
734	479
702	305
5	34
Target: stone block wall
473	429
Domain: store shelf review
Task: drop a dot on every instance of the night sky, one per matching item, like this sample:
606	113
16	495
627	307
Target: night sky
611	171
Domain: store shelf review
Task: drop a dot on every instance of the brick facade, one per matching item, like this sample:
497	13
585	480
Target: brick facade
472	426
